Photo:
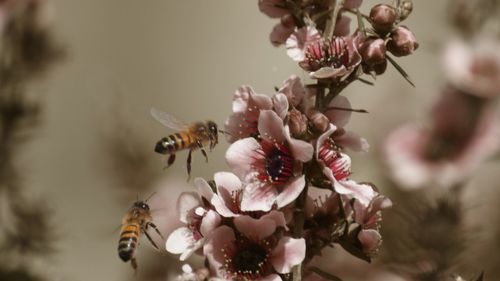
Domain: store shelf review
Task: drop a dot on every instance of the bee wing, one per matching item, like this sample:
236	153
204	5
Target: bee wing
168	120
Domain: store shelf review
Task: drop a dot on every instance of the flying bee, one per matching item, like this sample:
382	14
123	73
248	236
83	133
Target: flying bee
136	222
189	136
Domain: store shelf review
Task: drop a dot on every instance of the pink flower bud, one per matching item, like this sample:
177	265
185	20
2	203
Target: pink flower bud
378	69
403	42
383	17
297	122
319	120
373	51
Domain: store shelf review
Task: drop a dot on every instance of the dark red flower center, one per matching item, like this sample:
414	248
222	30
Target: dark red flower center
326	53
278	163
247	259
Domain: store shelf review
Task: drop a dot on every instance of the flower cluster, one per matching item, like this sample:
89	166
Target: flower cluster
261	221
304	28
243	221
463	131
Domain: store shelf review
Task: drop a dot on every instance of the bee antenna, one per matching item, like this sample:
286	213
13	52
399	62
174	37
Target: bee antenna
150	196
346	109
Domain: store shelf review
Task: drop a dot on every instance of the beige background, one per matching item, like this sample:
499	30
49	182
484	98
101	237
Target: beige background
187	58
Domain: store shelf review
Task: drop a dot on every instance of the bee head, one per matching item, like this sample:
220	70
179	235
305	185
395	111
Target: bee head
213	131
212	128
142	205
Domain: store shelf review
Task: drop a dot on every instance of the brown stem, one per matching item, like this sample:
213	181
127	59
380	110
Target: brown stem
332	21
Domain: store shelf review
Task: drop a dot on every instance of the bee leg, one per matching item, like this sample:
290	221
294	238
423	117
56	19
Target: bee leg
151	240
156	229
133	262
188	164
171	160
200	145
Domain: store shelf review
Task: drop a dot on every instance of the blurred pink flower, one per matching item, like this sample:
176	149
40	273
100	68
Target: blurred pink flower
464	133
352	4
200	222
246	109
269	165
474	69
256	253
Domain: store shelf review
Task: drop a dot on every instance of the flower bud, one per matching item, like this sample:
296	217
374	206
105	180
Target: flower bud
405	9
383	17
403	42
318	120
373	51
297	122
378	69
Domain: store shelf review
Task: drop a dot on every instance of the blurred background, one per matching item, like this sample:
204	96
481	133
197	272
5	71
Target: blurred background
92	152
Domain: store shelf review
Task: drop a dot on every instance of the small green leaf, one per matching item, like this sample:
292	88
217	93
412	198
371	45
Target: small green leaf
400	70
366	81
324	274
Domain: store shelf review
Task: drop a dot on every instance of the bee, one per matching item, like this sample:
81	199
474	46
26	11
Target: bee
189	136
136	222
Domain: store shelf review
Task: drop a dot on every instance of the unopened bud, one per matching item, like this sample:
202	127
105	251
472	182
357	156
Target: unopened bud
377	69
405	9
318	120
288	21
297	123
403	42
383	17
373	51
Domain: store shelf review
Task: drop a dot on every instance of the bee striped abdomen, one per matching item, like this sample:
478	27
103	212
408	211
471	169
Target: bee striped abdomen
128	241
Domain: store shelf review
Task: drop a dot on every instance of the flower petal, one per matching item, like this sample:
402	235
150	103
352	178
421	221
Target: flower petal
301	150
370	239
272	8
280	102
203	188
186	202
258	197
339	118
291	191
353	142
271	127
241	155
288	253
220	238
210	221
255	228
180	240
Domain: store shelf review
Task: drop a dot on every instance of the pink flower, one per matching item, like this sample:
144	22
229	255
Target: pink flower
474	69
227	199
269	165
257	253
324	59
246	109
297	43
200	222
